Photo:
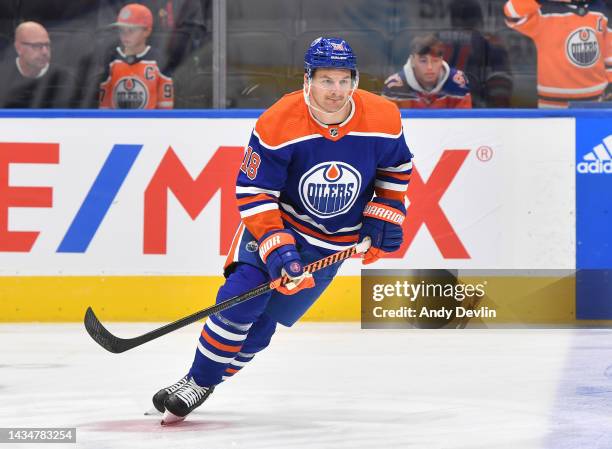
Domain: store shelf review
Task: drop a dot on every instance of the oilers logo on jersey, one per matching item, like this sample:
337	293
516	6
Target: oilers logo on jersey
329	189
252	246
130	93
582	47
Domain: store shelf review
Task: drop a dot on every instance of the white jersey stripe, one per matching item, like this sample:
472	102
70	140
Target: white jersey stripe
386	136
404	167
511	10
567	14
321	243
559	90
255	191
258	209
550	106
291	211
391	186
238	235
290	142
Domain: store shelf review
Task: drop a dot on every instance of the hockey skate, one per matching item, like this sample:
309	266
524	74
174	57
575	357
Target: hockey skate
160	397
183	401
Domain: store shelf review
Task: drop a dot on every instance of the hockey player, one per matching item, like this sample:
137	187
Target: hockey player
574	45
304	190
426	81
134	79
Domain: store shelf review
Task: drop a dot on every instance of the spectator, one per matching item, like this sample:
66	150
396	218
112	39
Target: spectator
182	24
426	80
32	81
134	79
482	57
574	47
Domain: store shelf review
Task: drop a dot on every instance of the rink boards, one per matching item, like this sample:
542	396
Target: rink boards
134	213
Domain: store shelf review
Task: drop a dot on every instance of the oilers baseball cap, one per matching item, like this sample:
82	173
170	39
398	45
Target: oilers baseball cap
134	15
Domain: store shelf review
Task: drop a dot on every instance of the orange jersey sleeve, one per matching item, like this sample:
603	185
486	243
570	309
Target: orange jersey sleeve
523	16
104	98
165	92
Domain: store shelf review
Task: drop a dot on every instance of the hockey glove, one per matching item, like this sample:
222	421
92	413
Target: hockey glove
277	250
382	222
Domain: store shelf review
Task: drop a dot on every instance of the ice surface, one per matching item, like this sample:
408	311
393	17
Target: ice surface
320	386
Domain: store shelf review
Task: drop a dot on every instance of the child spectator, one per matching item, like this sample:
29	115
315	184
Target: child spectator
133	79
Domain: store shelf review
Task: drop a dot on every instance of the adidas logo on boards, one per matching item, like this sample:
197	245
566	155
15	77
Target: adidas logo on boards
599	160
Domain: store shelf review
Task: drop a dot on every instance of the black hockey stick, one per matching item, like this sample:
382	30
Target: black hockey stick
117	345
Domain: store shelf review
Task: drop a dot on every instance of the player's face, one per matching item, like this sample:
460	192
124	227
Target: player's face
133	38
427	69
330	88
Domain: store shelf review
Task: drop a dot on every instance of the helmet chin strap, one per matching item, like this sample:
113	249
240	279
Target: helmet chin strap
311	106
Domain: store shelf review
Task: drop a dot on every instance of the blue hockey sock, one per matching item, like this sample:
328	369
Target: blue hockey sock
224	334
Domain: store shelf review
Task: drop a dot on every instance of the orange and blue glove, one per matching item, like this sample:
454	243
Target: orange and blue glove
382	222
277	250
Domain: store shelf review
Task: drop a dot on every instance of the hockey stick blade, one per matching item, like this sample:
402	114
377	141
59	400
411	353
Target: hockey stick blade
117	345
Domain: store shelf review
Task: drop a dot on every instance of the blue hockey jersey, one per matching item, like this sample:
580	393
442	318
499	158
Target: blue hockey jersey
316	179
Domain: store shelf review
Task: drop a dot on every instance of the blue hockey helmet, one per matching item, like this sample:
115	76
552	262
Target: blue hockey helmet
330	53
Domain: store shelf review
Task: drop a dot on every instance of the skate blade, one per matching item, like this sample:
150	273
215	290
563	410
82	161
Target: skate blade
152	412
170	418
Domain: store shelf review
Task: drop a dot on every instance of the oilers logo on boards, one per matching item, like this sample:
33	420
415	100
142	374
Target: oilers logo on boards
582	47
130	93
330	189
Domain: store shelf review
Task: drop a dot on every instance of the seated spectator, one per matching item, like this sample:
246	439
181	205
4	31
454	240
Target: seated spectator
482	57
134	79
32	81
426	80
